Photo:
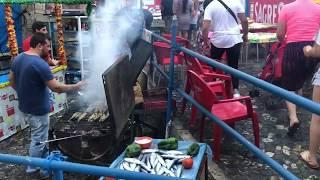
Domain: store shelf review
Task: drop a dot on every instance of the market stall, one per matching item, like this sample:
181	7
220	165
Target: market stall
10	119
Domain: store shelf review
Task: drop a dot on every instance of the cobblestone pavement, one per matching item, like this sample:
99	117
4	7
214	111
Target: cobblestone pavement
236	161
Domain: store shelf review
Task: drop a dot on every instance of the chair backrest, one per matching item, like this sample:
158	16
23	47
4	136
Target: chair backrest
202	91
162	51
193	64
180	40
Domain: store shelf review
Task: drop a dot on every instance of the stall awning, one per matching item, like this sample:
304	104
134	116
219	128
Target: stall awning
45	1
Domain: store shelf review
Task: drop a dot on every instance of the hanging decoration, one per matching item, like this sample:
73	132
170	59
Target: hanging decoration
61	50
12	39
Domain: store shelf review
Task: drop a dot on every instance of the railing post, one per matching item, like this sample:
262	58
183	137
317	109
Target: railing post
57	156
171	75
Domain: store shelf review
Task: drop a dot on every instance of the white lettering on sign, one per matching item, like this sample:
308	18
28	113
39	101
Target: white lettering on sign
267	13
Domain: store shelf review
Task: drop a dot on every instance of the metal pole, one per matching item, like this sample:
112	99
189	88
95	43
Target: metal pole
79	168
81	44
171	75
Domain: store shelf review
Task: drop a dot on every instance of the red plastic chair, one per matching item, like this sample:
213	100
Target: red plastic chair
180	40
227	110
162	52
208	75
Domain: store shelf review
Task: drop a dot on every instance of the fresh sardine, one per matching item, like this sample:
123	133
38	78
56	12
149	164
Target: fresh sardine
143	170
174	152
161	171
126	166
179	171
161	161
146	151
158	166
154	164
175	156
132	160
133	166
148	162
140	157
153	157
121	166
137	169
168	172
170	163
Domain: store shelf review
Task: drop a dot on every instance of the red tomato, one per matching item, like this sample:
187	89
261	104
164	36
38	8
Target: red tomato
187	163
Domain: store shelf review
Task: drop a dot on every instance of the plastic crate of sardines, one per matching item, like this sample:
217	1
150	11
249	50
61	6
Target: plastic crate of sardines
165	157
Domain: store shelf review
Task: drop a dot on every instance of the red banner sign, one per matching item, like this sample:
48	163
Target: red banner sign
266	11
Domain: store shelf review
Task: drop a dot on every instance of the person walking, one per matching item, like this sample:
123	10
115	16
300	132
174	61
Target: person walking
221	18
296	28
310	156
183	9
194	22
167	13
31	77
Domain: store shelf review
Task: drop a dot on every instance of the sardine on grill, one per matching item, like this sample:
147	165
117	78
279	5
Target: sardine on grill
75	116
82	116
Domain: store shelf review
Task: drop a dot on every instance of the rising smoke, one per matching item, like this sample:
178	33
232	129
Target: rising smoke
115	26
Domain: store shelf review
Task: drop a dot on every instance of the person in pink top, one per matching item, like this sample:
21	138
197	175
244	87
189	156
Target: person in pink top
310	156
298	23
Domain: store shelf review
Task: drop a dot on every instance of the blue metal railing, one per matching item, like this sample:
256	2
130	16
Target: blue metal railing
58	166
303	102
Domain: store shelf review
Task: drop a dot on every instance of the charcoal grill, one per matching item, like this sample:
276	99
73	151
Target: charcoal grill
106	136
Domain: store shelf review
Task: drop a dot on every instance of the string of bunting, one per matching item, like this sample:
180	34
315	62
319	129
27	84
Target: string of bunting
45	1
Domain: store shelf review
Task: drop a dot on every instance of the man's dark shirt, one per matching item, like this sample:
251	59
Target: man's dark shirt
31	74
166	7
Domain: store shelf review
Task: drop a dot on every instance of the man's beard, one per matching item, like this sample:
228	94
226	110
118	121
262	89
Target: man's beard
43	54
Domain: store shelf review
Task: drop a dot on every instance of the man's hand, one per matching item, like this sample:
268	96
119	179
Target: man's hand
245	38
206	46
307	50
80	85
55	62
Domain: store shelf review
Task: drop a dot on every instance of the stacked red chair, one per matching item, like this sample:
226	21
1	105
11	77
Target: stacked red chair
208	75
180	40
227	110
162	52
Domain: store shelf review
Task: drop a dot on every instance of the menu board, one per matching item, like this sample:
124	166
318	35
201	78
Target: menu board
266	11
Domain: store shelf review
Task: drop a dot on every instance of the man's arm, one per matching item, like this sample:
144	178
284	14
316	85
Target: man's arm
315	50
205	31
11	80
57	87
310	51
244	24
